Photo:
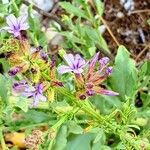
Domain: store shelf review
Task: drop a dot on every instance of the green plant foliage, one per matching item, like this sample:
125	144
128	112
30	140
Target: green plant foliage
124	76
34	95
36	35
73	10
3	87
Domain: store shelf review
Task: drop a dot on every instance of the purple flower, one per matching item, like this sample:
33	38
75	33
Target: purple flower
90	92
103	62
35	92
82	97
19	86
13	71
44	56
15	25
107	92
53	62
75	64
93	61
108	71
94	77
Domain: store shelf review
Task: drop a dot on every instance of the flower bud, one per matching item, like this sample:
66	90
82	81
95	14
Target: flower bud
103	61
82	97
13	71
90	92
108	71
44	56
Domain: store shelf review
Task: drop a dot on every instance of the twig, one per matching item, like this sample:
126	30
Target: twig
110	32
140	11
55	7
139	55
49	15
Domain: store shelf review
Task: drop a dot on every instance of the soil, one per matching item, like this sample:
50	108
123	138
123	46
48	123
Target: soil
131	30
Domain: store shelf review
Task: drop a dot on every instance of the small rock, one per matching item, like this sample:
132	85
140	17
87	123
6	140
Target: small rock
128	5
45	5
50	34
102	29
120	14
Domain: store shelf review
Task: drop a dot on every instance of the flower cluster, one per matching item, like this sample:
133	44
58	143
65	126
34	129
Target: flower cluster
36	66
28	61
88	79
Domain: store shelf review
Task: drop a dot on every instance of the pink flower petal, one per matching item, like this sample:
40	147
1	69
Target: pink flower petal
93	61
107	92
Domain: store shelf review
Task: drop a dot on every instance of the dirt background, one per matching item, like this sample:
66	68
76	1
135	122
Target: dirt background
128	29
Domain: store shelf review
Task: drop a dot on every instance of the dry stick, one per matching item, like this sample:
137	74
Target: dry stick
140	11
110	32
139	55
50	16
55	7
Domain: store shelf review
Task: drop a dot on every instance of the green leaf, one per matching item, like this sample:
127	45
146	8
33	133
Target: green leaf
5	64
3	87
96	37
72	37
61	138
4	8
22	103
124	76
102	43
15	7
92	50
99	7
74	128
36	116
100	136
79	142
71	9
82	142
143	70
36	35
106	103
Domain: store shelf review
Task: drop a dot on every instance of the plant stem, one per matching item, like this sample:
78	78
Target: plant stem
101	120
